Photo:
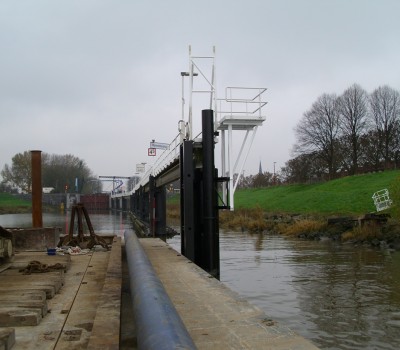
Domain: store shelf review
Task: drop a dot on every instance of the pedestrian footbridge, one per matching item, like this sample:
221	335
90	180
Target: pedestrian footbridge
204	156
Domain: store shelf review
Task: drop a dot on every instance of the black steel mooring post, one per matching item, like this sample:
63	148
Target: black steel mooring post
188	225
157	208
210	245
161	211
132	203
143	205
181	189
199	204
140	203
152	205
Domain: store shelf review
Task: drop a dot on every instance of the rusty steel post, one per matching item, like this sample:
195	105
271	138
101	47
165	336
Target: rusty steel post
36	158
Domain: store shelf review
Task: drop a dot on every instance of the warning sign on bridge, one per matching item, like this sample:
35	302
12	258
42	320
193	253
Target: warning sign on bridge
151	152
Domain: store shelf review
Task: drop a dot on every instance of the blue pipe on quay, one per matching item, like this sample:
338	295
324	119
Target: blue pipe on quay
158	325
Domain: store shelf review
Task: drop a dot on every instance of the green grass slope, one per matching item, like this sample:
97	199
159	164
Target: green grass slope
12	204
345	196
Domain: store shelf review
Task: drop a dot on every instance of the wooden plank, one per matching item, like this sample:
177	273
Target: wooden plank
15	272
29	280
25	295
25	304
7	338
4	267
17	317
48	289
29	297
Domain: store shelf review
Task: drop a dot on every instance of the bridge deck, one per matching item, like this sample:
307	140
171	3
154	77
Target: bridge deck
215	317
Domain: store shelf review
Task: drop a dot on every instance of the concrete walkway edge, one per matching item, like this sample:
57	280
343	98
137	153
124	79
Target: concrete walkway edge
105	333
215	316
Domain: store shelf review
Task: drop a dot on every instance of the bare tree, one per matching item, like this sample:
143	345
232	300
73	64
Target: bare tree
263	179
58	171
353	109
318	130
385	115
370	155
19	174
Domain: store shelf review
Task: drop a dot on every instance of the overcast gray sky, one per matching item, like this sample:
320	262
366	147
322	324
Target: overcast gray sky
100	79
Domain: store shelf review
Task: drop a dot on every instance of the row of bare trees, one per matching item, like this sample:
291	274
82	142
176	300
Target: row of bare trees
347	134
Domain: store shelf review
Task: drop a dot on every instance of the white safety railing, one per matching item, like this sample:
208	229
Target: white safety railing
243	101
240	110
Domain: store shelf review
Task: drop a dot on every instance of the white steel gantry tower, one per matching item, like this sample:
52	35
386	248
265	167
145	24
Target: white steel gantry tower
240	111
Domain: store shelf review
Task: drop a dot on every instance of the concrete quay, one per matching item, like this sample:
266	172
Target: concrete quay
88	306
215	316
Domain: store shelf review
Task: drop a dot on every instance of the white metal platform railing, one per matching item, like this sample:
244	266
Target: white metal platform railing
240	110
244	101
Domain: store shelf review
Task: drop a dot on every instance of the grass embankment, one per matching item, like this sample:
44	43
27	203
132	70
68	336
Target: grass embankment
351	195
302	210
10	204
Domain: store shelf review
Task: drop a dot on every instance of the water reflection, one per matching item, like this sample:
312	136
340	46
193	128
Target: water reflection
347	293
338	296
105	222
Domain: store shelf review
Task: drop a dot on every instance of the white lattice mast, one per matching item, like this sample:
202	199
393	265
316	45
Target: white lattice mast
206	80
239	110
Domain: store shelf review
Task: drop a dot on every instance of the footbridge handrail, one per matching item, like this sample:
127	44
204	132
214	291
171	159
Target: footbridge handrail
164	159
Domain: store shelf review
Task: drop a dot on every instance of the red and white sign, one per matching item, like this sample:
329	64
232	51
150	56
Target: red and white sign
151	152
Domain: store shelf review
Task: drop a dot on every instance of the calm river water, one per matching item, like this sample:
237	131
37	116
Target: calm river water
338	296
